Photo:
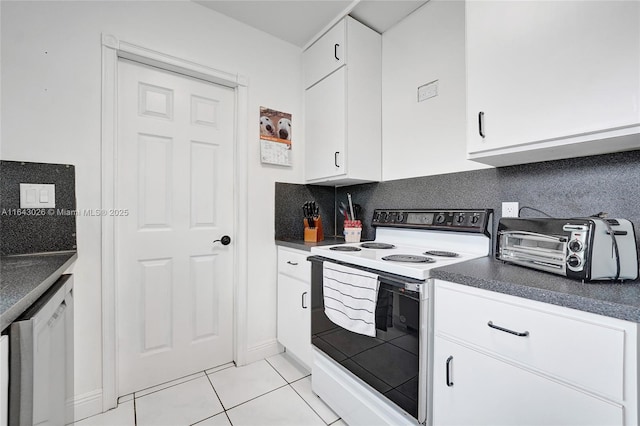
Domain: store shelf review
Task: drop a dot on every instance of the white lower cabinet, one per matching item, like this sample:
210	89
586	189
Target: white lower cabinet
484	390
294	301
504	360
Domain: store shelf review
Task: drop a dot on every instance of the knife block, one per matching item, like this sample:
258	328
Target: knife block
313	235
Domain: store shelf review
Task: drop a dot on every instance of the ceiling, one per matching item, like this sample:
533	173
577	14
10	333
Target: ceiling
300	21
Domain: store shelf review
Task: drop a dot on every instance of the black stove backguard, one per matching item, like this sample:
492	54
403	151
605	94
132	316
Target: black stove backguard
389	363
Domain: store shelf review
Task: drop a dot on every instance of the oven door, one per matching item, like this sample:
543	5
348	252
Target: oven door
394	363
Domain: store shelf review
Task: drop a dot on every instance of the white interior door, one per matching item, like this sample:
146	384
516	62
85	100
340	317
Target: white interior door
175	172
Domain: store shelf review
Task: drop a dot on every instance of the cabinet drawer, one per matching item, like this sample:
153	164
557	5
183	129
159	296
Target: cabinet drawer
294	263
583	349
325	55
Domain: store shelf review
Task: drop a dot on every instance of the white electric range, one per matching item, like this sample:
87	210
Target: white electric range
384	379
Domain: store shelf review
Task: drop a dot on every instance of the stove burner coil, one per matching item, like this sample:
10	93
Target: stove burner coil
382	246
344	248
409	258
441	253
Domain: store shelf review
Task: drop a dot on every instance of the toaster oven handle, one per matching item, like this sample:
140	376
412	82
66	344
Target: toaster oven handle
533	236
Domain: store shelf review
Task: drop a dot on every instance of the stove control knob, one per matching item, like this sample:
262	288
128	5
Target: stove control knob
440	218
574	261
400	218
460	219
576	246
475	219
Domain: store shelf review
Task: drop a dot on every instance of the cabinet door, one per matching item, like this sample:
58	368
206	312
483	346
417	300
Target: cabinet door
325	55
325	133
294	318
546	70
482	390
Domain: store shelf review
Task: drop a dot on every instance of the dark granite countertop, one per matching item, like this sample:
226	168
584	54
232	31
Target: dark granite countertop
301	245
24	278
600	297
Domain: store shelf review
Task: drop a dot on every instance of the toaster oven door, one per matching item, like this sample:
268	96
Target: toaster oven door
539	251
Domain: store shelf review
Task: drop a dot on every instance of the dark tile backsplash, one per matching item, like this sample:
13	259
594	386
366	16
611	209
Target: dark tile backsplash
563	188
289	199
21	233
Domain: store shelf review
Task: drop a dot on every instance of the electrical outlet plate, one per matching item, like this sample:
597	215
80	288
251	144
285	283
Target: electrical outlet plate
427	91
510	209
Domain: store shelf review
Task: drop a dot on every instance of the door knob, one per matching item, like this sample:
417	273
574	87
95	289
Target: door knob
225	240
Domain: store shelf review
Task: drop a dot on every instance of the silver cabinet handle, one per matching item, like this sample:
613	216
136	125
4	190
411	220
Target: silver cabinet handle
506	330
303	300
335	51
292	263
448	367
335	158
481	124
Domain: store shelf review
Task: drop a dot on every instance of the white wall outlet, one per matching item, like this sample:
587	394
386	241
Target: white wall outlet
37	196
510	209
427	91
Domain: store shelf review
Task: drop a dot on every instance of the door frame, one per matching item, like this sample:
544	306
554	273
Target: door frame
112	50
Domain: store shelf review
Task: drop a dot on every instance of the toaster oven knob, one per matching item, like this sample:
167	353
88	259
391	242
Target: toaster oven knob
575	246
574	261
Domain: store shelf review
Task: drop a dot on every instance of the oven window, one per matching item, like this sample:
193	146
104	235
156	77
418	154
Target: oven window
389	362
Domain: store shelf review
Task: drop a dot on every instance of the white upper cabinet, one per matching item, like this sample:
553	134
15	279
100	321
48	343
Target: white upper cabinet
343	106
325	55
553	79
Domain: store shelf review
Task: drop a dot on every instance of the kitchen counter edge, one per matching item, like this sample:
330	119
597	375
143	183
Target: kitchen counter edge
305	246
616	300
29	291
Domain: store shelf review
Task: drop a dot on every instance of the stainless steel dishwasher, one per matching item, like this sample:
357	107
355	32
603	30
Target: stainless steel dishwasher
41	359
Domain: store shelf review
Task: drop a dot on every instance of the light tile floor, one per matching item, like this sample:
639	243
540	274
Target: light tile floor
271	392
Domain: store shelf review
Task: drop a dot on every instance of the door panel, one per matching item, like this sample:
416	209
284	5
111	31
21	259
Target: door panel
174	285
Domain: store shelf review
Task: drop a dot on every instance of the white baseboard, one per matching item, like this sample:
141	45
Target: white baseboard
86	405
263	350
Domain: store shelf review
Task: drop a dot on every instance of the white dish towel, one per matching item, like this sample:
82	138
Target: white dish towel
350	297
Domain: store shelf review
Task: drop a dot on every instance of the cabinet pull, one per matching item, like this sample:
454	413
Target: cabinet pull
481	124
506	330
335	158
292	263
335	51
304	294
448	368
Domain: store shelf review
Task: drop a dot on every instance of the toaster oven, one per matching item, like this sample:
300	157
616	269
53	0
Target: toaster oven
580	248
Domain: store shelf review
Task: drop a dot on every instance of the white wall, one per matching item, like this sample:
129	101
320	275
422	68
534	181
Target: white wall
426	138
51	86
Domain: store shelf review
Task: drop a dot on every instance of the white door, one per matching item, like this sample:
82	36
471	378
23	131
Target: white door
175	174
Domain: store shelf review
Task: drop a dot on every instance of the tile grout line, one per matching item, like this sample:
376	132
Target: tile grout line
216	392
256	397
297	393
307	402
276	370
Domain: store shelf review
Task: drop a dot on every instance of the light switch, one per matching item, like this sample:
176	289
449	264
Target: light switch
31	197
36	196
